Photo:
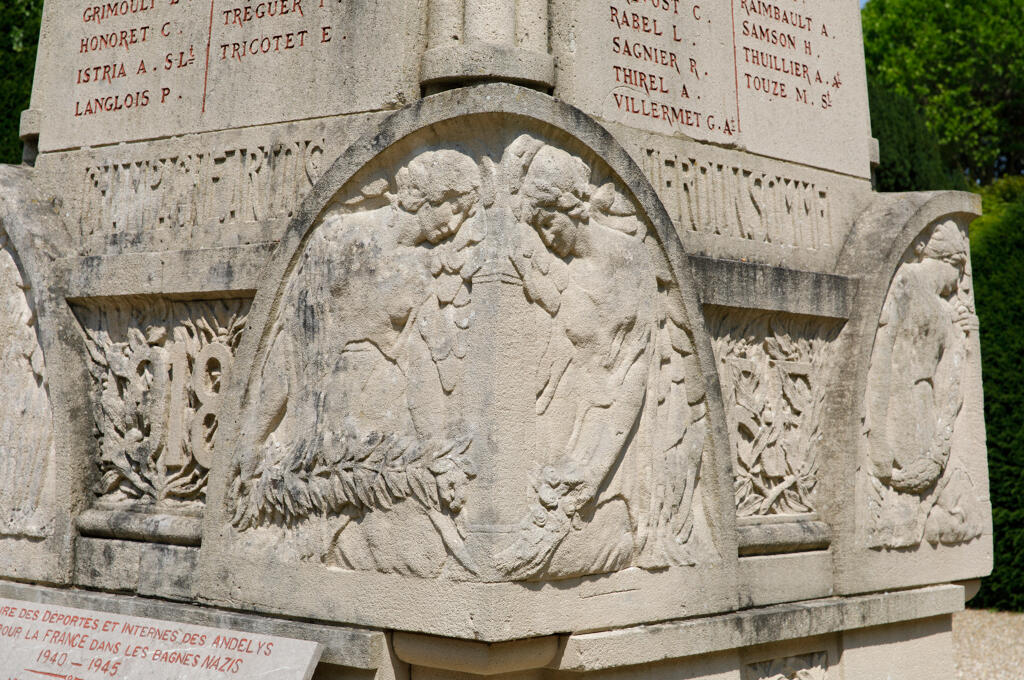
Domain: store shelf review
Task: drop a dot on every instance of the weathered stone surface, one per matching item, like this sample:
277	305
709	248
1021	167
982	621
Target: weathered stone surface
333	327
766	579
773	369
921	497
643	645
157	366
605	463
35	529
916	651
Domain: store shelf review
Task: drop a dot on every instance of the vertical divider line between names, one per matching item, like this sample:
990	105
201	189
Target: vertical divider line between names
735	63
209	39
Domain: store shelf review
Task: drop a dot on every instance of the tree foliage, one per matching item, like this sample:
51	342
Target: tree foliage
960	61
19	33
997	254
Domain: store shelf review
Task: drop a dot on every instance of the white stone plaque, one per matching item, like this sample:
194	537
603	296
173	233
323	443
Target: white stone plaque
43	641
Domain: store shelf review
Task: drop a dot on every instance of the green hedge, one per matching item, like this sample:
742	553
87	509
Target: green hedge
997	254
909	153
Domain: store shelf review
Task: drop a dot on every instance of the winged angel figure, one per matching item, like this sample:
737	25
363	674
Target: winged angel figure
349	417
619	389
357	419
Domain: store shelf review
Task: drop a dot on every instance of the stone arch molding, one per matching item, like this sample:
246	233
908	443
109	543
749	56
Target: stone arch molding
920	477
916	475
481	360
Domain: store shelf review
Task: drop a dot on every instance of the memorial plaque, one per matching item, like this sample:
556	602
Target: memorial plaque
785	81
143	69
43	641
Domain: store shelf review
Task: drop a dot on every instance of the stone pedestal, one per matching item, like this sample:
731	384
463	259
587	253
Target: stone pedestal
522	339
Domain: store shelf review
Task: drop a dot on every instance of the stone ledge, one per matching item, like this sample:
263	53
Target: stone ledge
139	526
678	639
478	658
731	283
795	535
232	271
487	62
349	647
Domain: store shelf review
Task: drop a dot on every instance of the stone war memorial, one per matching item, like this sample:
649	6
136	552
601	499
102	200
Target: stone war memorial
444	339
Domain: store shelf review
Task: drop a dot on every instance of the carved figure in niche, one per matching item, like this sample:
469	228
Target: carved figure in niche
917	487
26	431
591	273
477	322
771	367
157	368
366	428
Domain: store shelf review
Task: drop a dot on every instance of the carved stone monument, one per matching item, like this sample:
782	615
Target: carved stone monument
533	338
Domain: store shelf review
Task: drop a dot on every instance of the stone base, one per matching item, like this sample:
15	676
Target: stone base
906	635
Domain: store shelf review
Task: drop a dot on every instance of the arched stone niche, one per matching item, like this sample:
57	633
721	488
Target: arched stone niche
917	472
26	423
36	494
477	373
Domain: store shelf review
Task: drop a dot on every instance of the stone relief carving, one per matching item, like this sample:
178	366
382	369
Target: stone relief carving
724	199
480	368
918	487
804	667
157	368
771	366
26	429
228	186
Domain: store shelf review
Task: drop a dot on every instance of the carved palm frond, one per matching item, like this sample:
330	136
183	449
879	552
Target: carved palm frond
361	472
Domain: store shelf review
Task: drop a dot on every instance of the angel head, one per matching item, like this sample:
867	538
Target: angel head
554	196
441	190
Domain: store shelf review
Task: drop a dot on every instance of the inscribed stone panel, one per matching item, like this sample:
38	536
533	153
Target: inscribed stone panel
785	81
198	191
141	69
62	642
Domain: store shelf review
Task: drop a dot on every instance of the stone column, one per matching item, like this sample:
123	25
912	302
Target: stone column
488	40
